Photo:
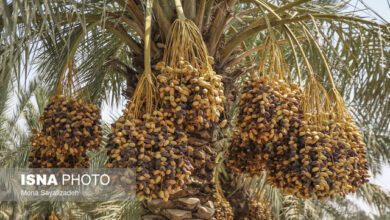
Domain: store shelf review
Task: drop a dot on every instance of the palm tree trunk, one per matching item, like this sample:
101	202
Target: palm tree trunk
196	201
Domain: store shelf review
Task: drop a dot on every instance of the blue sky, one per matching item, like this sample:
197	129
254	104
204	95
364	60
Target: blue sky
381	7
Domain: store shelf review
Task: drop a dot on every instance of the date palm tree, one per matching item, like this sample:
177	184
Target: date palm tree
102	41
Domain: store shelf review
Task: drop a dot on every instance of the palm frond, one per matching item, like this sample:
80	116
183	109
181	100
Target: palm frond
297	208
377	149
126	210
24	98
340	208
375	196
98	158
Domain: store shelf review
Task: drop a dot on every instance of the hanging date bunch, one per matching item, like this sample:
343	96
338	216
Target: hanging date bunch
187	84
351	148
268	112
245	157
329	155
148	139
155	148
306	141
70	127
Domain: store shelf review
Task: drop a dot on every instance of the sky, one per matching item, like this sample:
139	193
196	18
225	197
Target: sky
379	6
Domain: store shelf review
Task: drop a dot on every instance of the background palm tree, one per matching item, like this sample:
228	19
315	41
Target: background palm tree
104	41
